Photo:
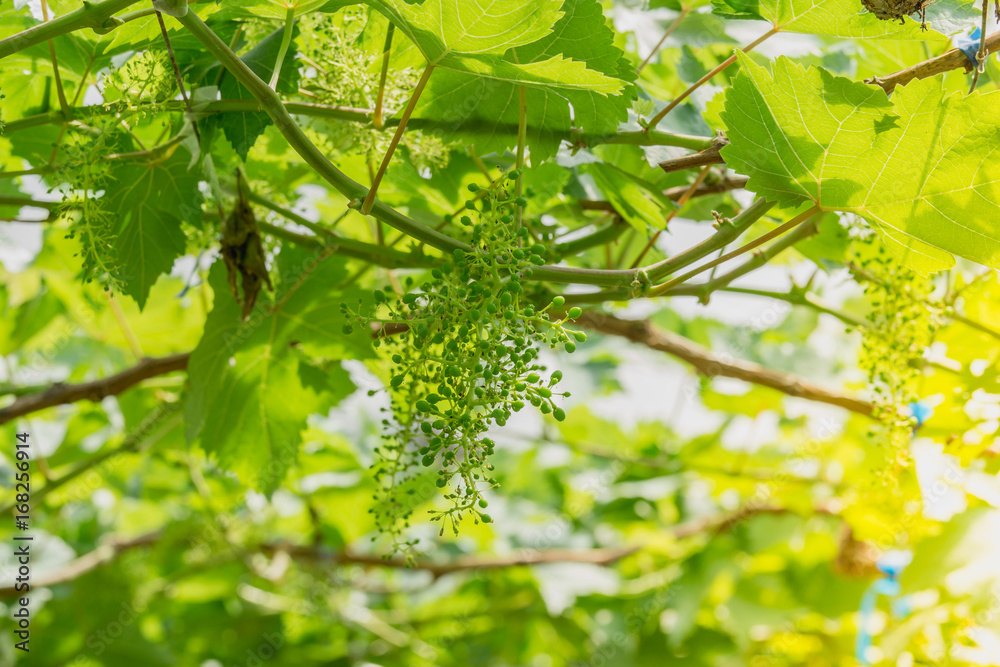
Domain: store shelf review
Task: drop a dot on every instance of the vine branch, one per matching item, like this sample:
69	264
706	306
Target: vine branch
710	365
61	393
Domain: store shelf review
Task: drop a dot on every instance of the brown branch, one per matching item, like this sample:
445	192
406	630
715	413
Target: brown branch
954	59
641	331
112	548
462	563
700	159
60	393
724	185
103	554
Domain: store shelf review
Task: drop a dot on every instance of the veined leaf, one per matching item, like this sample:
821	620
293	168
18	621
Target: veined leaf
473	36
149	202
921	168
278	9
248	376
840	18
486	110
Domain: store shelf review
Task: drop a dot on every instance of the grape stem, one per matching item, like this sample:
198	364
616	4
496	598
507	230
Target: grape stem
778	231
377	120
286	40
708	77
366	207
670	30
522	137
670	216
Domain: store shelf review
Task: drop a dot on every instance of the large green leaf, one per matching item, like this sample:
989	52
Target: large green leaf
840	18
486	110
251	389
149	201
637	200
921	168
473	36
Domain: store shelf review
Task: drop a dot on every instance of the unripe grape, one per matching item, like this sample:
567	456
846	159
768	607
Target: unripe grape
574	312
558	301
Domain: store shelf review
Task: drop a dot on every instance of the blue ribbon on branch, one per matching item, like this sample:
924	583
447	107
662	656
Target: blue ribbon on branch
892	563
969	45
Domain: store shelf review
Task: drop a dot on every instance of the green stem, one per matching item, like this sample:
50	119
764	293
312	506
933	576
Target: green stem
791	224
366	207
760	258
670	216
378	255
673	26
95	15
269	101
522	138
800	298
286	40
631	138
137	14
383	76
60	92
728	231
708	77
15	200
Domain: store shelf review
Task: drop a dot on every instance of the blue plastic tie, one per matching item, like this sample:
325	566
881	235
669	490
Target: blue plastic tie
969	45
892	564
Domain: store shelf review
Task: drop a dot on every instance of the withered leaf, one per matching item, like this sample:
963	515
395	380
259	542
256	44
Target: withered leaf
243	254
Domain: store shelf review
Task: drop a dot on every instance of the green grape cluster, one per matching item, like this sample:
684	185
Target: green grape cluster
344	62
143	80
83	172
464	353
902	324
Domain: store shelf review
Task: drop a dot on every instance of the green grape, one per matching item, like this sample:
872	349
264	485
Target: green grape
902	323
466	362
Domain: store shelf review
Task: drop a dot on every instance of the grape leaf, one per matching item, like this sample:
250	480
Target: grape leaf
242	128
921	168
486	110
838	18
473	36
641	204
278	9
248	376
149	201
